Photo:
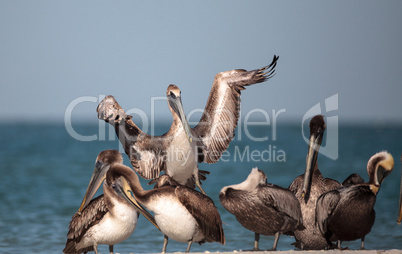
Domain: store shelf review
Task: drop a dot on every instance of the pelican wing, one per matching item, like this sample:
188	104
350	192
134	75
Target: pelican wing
283	200
297	185
146	152
326	204
80	224
147	156
352	180
204	211
331	184
219	120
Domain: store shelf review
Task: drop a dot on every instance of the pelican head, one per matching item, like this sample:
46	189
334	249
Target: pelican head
173	94
102	164
110	111
123	189
255	178
379	166
317	128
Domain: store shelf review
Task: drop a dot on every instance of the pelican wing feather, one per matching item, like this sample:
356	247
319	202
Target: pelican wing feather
204	211
283	200
79	224
326	204
219	120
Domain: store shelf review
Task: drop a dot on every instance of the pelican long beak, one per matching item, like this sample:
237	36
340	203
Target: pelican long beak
177	107
124	190
384	168
97	178
381	174
313	147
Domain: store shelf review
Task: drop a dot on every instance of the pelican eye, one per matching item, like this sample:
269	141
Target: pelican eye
98	164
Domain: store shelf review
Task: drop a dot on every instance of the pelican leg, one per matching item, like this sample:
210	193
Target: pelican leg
339	245
96	248
362	244
165	242
256	241
111	249
276	241
189	245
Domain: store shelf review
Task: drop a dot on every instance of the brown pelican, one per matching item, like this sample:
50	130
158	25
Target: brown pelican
261	207
308	187
107	219
181	213
347	213
178	151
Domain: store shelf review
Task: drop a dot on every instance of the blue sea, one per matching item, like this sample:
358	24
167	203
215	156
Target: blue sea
45	169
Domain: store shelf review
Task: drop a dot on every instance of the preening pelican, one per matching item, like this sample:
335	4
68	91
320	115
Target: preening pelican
261	207
107	219
308	187
178	151
181	213
347	213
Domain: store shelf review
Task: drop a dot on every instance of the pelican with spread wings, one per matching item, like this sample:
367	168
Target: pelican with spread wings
178	151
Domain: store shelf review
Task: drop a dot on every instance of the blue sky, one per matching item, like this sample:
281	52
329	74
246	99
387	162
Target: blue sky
54	54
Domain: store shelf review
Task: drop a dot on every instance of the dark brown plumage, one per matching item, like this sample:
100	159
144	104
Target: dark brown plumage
79	224
263	208
206	142
352	180
308	187
347	213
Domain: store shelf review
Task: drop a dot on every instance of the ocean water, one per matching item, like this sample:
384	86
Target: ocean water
44	172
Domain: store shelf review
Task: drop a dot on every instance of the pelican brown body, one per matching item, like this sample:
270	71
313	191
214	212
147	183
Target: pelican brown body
178	151
263	208
308	187
181	213
347	213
